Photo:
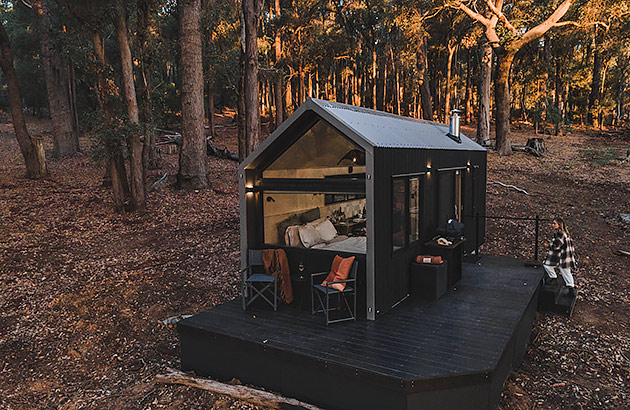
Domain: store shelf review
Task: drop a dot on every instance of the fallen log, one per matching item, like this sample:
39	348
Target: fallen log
509	186
220	152
244	393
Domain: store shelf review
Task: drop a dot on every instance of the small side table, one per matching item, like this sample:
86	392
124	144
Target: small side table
301	289
428	281
454	254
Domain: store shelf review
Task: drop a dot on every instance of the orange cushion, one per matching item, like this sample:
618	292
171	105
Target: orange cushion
339	271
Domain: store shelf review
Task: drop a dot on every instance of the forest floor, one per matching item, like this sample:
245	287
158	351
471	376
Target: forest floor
83	290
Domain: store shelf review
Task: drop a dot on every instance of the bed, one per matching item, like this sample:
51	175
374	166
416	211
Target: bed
353	244
321	234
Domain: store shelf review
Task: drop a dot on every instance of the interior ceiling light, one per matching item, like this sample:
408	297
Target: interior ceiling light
355	156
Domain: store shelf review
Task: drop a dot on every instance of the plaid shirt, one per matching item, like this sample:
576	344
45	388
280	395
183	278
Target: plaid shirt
561	252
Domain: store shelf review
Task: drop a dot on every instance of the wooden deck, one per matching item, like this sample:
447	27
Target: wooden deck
452	353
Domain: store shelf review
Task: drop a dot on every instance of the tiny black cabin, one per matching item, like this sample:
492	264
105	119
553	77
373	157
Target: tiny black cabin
384	181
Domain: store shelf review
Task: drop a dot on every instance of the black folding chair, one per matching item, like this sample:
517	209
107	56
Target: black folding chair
324	293
257	283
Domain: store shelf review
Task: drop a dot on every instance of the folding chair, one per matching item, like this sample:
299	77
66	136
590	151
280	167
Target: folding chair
324	293
257	283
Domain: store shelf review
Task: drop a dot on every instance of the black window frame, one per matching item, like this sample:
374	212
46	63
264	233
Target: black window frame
406	208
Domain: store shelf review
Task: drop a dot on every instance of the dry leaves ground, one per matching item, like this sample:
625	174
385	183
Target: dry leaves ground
82	289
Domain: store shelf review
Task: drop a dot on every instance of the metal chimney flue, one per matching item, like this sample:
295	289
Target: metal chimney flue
453	126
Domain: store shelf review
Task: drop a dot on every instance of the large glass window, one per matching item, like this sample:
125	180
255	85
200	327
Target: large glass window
321	152
285	216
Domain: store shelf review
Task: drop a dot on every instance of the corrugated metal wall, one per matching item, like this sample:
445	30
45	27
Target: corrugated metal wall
391	268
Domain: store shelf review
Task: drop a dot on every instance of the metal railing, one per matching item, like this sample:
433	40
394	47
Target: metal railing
537	219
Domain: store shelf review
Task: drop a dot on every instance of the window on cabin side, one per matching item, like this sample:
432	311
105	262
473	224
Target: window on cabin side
414	209
399	212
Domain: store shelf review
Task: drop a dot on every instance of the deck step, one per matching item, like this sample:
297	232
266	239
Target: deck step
551	300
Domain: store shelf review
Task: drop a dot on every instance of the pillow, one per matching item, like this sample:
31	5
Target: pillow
292	236
282	226
309	235
339	271
310	216
326	230
333	270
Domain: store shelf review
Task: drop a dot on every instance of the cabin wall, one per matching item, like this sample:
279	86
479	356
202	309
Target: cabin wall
391	268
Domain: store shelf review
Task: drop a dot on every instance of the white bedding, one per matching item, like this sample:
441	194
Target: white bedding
354	244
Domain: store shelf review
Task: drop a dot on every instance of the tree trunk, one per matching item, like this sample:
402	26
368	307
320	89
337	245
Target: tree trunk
483	115
374	77
620	98
301	90
243	150
502	100
192	155
383	105
468	92
277	46
150	153
108	90
596	83
136	164
425	91
32	149
211	108
452	47
251	14
57	84
397	85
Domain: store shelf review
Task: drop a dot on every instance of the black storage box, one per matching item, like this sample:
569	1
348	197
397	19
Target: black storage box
428	281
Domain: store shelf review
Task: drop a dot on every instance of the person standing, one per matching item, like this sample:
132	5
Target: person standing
561	255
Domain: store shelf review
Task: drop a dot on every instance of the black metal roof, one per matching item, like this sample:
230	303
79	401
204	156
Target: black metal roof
385	130
371	128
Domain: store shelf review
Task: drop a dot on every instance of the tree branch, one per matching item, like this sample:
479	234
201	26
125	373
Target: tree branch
543	27
576	24
472	14
501	16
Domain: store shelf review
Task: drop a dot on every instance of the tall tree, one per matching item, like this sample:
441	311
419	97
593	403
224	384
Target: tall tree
483	113
145	18
251	15
57	83
136	163
506	50
108	96
192	156
32	149
425	90
277	46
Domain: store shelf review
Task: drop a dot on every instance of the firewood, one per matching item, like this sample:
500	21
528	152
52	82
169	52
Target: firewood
244	393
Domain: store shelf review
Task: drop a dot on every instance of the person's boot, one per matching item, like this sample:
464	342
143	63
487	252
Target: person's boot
551	281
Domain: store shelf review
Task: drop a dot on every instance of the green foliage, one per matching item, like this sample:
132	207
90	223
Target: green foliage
109	136
167	102
26	53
